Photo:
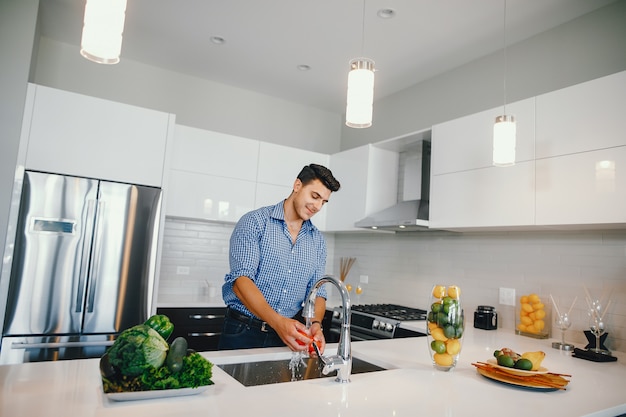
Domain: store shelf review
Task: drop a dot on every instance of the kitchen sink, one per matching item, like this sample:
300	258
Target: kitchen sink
277	371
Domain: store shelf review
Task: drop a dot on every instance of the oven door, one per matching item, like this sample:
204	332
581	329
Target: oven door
355	335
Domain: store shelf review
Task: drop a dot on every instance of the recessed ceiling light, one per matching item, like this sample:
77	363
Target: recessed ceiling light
303	67
218	40
386	13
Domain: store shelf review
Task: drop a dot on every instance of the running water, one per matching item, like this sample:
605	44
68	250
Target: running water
297	359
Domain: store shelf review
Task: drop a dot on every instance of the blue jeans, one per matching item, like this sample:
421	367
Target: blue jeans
239	335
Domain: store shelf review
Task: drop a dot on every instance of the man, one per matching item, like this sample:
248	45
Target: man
276	256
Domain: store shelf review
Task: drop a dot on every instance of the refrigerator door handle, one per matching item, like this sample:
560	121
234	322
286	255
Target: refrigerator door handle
95	257
84	261
50	345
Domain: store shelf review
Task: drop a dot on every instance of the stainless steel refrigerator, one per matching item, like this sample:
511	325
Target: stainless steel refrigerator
83	266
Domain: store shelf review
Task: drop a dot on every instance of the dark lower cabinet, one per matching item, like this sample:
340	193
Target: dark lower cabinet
201	327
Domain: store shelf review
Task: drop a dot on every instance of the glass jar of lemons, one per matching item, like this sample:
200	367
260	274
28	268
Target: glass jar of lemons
446	323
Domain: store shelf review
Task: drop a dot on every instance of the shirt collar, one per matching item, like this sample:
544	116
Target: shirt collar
278	212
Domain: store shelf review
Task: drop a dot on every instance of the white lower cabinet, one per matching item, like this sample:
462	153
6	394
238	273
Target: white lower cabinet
488	197
583	188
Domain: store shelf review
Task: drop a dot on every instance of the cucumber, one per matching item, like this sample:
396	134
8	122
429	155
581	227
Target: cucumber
174	359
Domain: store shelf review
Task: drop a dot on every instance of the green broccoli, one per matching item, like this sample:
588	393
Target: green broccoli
138	349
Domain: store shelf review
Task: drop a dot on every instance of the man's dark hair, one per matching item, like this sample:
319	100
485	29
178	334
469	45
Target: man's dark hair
318	172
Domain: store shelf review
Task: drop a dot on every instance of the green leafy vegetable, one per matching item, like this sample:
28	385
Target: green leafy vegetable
162	324
196	372
137	350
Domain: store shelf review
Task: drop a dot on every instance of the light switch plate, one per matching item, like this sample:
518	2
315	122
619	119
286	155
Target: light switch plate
182	270
507	296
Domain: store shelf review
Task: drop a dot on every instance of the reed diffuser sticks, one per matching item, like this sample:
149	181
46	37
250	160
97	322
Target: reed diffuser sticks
344	267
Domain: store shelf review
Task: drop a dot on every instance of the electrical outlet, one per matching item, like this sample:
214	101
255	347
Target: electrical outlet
507	296
364	279
182	270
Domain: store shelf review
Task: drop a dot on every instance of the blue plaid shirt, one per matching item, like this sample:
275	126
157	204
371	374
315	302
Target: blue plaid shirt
261	249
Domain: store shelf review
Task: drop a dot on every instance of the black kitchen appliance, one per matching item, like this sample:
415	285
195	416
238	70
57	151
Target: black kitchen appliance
376	321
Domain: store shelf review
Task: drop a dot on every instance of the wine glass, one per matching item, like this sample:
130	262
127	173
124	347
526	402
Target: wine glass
596	324
562	322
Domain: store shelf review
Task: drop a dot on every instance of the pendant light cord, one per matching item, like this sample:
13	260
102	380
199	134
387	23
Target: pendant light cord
505	57
363	31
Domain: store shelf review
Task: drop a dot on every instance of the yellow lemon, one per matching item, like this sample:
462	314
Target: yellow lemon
521	327
534	298
523	299
526	320
539	325
538	306
453	346
439	291
527	307
443	359
432	326
454	291
437	334
541	314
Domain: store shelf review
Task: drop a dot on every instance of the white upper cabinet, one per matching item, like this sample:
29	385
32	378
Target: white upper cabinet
369	183
583	188
467	142
467	191
487	197
212	175
213	153
581	154
279	167
583	117
79	135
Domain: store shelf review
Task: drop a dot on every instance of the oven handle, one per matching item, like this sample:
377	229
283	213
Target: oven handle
355	336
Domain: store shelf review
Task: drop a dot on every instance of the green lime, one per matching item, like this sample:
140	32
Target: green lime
438	346
436	307
449	331
448	300
524	364
458	331
496	353
442	319
505	360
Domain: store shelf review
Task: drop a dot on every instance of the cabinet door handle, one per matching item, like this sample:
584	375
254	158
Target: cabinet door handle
206	316
203	334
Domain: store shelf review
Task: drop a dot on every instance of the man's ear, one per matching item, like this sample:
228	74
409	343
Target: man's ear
297	184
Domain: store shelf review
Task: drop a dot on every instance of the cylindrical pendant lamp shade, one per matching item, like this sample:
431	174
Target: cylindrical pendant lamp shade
504	141
102	30
360	99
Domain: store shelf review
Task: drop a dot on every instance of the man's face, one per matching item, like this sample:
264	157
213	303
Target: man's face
310	198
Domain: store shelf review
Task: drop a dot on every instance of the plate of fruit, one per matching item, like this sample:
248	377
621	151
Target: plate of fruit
528	363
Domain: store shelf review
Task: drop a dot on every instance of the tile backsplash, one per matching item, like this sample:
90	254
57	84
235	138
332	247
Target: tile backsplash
402	268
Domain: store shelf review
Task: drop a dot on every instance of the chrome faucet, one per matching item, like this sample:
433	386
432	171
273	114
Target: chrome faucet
342	361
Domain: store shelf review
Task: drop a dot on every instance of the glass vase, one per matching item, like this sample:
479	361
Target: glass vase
446	324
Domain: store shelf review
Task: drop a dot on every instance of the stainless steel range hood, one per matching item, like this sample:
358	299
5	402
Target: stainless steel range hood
408	214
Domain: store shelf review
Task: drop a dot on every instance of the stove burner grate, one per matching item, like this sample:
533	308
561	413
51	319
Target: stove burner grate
391	311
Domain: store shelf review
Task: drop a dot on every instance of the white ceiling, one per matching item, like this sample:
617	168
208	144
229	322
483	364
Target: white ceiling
266	40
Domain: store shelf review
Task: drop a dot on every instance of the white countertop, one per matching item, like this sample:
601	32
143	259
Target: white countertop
410	387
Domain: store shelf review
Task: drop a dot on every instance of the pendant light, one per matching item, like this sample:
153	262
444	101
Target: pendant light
504	129
360	97
102	30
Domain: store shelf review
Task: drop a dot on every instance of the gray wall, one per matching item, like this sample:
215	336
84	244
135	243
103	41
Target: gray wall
194	101
589	47
17	36
583	49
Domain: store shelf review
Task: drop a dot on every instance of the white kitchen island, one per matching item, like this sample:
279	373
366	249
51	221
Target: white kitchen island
410	387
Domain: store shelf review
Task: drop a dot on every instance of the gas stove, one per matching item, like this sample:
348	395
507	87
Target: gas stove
378	321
